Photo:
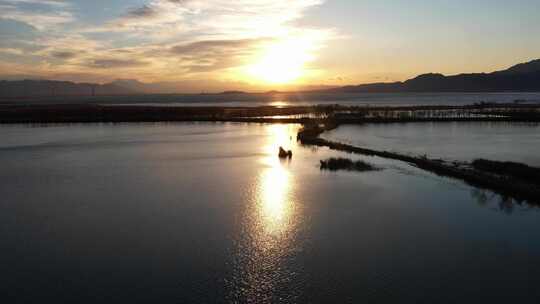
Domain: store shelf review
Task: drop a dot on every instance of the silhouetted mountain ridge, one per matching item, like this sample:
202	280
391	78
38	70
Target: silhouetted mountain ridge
529	67
35	88
521	77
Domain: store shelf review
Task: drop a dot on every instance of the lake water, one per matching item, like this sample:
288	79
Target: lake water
464	141
206	213
299	99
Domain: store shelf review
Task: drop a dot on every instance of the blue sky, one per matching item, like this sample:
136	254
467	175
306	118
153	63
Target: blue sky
248	43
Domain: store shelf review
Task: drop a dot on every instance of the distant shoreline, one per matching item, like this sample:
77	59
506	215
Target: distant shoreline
87	113
75	98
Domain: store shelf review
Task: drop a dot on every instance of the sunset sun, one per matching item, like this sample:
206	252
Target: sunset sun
283	62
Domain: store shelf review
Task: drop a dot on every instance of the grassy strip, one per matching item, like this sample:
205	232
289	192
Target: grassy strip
335	164
504	184
513	169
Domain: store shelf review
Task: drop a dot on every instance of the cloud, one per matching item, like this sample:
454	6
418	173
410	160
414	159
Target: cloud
215	34
144	11
213	55
161	39
67	47
216	19
11	51
111	63
151	17
55	13
216	47
58	3
63	54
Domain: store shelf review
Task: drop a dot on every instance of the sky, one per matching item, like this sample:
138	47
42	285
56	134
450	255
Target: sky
262	44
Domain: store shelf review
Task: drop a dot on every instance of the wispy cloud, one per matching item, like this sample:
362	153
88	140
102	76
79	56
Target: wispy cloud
108	63
216	18
58	3
162	39
53	13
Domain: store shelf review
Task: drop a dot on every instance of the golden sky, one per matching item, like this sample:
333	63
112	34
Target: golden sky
262	44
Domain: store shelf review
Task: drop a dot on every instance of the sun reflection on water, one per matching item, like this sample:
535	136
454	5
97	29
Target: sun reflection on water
279	103
274	192
269	228
280	136
274	200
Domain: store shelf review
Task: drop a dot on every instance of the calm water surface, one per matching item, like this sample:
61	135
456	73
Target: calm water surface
206	213
301	99
464	141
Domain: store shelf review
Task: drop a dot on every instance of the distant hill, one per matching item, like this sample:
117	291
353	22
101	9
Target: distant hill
51	88
146	88
524	77
519	78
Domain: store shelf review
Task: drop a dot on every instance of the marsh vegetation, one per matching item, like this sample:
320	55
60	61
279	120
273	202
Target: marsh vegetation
335	164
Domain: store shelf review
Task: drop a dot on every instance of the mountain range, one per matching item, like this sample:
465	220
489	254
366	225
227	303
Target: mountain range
52	88
524	77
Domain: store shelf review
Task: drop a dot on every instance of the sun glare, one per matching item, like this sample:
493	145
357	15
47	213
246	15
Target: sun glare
283	62
276	184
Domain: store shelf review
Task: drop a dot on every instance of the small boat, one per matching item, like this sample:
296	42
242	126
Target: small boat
284	154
